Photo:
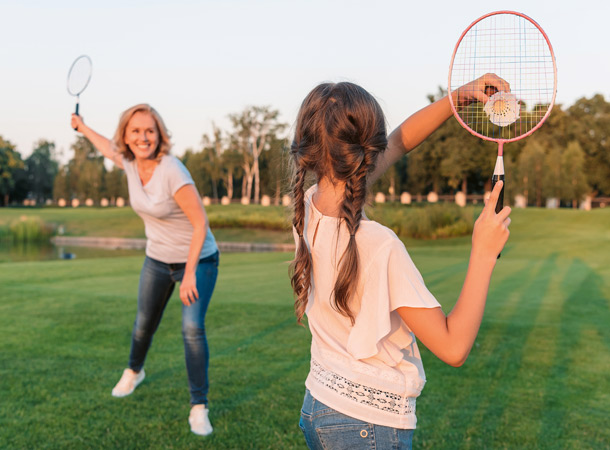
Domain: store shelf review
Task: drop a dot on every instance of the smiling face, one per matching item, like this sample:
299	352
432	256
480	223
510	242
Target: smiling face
142	135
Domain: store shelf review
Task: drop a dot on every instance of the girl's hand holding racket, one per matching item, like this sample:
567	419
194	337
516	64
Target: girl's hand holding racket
491	229
480	90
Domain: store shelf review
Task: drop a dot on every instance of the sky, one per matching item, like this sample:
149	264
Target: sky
197	62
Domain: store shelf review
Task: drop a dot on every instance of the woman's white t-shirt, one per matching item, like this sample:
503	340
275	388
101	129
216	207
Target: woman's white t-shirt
168	230
371	370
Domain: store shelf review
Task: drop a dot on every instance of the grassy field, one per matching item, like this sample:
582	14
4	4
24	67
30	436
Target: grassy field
536	378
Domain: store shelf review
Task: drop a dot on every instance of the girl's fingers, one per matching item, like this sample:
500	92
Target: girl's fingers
493	198
504	213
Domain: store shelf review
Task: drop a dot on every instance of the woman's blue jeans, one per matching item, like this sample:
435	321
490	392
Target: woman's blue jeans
325	428
157	281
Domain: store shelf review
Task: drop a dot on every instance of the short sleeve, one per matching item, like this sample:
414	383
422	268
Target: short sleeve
391	281
177	175
406	286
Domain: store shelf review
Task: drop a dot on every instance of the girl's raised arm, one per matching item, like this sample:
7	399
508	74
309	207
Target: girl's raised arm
417	127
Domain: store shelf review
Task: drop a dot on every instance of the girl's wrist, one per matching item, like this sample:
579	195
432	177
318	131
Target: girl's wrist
483	257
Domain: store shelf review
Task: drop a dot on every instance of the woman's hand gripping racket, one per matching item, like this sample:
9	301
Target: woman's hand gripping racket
79	76
513	47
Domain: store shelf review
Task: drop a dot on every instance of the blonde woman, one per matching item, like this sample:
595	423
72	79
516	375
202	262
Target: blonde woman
180	248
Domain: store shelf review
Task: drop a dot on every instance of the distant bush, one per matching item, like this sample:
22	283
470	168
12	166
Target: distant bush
251	216
437	221
26	229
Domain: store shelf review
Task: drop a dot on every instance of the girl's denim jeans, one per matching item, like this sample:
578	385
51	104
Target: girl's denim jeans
157	281
325	428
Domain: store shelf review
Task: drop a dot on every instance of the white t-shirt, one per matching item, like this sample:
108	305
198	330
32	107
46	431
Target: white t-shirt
372	370
168	229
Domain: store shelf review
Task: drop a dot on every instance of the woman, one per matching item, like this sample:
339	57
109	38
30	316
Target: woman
180	248
365	301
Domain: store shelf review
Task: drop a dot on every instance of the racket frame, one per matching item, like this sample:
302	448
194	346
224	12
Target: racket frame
77	94
501	141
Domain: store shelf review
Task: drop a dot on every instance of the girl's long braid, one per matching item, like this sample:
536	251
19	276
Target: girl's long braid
300	268
351	213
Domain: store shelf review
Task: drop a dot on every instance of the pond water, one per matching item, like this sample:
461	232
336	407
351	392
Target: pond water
49	252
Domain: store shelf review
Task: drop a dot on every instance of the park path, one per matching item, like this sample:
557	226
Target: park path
140	243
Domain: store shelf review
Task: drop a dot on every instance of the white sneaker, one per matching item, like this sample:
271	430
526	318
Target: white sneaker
128	382
199	421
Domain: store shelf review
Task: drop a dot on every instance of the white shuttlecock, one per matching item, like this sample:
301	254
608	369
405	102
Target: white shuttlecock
502	108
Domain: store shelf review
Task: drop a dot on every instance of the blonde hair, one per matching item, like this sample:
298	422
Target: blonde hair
163	146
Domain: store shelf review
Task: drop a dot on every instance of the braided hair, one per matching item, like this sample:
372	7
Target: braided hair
340	132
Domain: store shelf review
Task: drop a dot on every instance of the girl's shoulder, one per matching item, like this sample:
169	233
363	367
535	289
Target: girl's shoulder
377	236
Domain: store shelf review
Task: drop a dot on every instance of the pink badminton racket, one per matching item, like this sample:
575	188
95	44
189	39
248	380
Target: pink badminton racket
515	48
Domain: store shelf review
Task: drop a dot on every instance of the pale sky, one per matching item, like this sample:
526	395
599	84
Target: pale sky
198	61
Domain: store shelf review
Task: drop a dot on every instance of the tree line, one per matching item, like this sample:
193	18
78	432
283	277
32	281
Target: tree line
568	158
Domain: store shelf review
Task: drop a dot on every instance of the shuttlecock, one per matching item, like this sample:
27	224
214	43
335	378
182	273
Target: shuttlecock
502	108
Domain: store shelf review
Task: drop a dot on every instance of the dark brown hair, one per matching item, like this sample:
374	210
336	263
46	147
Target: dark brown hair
163	146
340	132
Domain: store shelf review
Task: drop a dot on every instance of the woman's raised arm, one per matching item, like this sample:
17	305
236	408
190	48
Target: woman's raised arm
101	143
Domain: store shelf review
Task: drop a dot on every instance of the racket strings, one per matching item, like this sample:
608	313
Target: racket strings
515	49
79	75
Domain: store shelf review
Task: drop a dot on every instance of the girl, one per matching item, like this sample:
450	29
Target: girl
365	301
180	248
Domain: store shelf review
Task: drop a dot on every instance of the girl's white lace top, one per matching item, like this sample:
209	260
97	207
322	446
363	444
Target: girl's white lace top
372	370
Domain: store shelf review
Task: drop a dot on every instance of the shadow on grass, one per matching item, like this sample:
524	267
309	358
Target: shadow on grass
463	394
584	322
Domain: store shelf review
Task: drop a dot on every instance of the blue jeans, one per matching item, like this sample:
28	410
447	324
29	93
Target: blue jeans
325	428
157	281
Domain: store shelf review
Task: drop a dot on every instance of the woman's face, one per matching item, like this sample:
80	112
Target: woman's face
141	135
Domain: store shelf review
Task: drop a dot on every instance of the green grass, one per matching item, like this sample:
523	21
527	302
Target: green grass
537	376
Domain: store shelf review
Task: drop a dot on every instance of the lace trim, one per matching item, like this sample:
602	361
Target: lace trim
366	395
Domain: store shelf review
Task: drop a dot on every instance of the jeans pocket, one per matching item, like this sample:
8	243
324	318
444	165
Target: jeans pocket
347	436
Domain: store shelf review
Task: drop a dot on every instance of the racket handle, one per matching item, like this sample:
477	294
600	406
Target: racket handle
76	112
500	203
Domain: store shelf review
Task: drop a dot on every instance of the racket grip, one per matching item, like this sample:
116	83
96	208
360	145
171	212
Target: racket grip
500	203
76	111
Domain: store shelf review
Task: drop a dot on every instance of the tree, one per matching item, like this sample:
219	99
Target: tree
253	129
40	171
589	124
115	184
61	184
573	179
212	158
85	172
273	168
194	162
531	167
232	168
11	171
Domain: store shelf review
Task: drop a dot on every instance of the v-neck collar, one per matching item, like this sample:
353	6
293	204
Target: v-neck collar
144	185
